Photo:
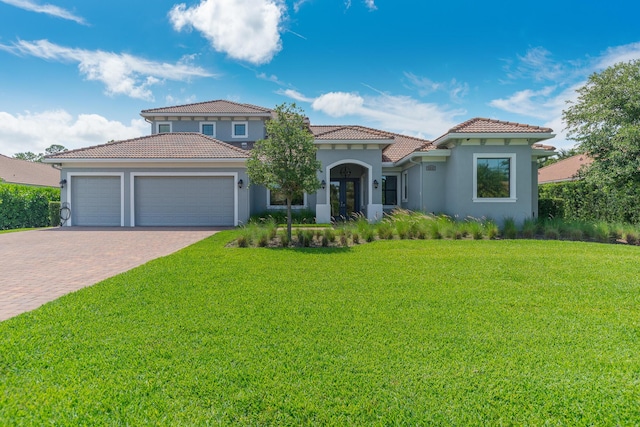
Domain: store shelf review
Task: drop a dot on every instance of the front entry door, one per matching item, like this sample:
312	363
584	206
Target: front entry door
345	194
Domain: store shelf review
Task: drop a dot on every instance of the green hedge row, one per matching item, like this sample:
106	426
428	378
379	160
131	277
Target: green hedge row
23	206
582	201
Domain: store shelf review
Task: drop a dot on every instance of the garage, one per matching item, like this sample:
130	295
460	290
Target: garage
96	200
184	201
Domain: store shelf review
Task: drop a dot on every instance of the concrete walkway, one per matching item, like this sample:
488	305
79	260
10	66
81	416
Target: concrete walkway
41	265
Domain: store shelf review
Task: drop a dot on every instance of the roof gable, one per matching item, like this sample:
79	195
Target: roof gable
177	145
482	125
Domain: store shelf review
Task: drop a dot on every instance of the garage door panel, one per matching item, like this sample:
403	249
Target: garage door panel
96	201
184	201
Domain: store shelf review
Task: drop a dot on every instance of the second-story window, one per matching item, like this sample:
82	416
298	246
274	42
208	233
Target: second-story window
164	127
208	129
240	129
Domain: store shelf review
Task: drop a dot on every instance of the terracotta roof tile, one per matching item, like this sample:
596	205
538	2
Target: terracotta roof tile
482	125
563	170
210	107
176	145
29	173
405	145
348	133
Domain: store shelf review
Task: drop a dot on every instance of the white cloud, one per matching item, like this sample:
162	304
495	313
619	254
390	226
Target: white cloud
399	114
36	131
122	74
248	30
294	94
370	4
548	102
48	9
425	86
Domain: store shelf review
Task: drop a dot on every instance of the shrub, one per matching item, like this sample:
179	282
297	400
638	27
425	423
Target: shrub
529	228
23	206
54	213
509	229
550	208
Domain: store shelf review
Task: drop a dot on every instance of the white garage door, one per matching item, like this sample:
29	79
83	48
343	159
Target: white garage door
96	200
184	201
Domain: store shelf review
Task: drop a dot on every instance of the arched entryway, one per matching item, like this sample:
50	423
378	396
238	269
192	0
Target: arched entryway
349	188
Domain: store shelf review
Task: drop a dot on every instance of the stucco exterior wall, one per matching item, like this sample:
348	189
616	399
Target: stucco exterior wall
223	132
459	184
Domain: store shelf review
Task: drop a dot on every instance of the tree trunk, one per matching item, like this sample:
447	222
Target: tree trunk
289	217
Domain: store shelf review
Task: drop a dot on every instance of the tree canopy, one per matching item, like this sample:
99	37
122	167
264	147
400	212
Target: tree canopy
286	160
33	157
605	122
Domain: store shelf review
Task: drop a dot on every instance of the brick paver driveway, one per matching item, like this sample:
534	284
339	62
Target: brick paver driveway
41	265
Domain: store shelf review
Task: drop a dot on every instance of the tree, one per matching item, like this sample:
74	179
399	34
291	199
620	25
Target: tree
605	122
32	157
286	160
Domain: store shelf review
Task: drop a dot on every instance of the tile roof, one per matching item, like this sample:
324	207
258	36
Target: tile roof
176	145
482	125
18	171
348	132
210	107
402	145
563	170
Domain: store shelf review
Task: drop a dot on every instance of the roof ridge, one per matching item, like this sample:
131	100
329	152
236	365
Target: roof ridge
504	122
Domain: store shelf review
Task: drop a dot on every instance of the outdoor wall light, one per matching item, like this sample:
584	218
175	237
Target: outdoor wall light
323	184
375	183
62	183
240	183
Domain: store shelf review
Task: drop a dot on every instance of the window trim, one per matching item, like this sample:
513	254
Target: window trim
158	124
270	206
404	186
397	175
246	129
202	124
512	178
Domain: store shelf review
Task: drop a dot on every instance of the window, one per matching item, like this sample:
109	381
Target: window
208	129
494	177
405	186
389	190
277	199
164	127
239	129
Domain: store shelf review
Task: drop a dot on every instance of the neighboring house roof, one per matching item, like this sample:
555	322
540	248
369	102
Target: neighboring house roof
18	171
216	107
176	145
563	170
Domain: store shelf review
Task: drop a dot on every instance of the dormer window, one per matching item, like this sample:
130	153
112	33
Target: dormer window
208	128
164	127
240	129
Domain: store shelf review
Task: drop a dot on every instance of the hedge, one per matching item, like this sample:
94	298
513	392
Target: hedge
23	206
583	201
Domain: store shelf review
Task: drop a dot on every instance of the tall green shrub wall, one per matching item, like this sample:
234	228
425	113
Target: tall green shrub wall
23	206
583	201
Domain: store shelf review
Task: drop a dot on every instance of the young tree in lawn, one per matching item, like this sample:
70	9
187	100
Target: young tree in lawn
605	122
286	160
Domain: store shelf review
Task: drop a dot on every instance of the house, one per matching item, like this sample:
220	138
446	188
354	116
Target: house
16	171
563	170
191	171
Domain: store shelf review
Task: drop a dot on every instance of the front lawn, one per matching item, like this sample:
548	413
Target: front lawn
413	332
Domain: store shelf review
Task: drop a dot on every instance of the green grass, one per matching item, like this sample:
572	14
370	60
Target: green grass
15	230
400	332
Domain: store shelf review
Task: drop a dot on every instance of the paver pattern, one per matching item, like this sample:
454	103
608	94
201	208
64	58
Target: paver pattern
39	266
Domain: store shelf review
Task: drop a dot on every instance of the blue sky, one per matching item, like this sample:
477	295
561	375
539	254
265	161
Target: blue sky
77	73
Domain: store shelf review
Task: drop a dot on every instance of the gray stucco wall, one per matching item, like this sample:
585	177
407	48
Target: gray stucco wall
243	193
259	202
459	185
256	128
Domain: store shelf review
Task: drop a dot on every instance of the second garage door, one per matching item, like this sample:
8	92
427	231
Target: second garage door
184	201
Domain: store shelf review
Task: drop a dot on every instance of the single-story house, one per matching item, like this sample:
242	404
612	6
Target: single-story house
563	170
16	171
191	171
